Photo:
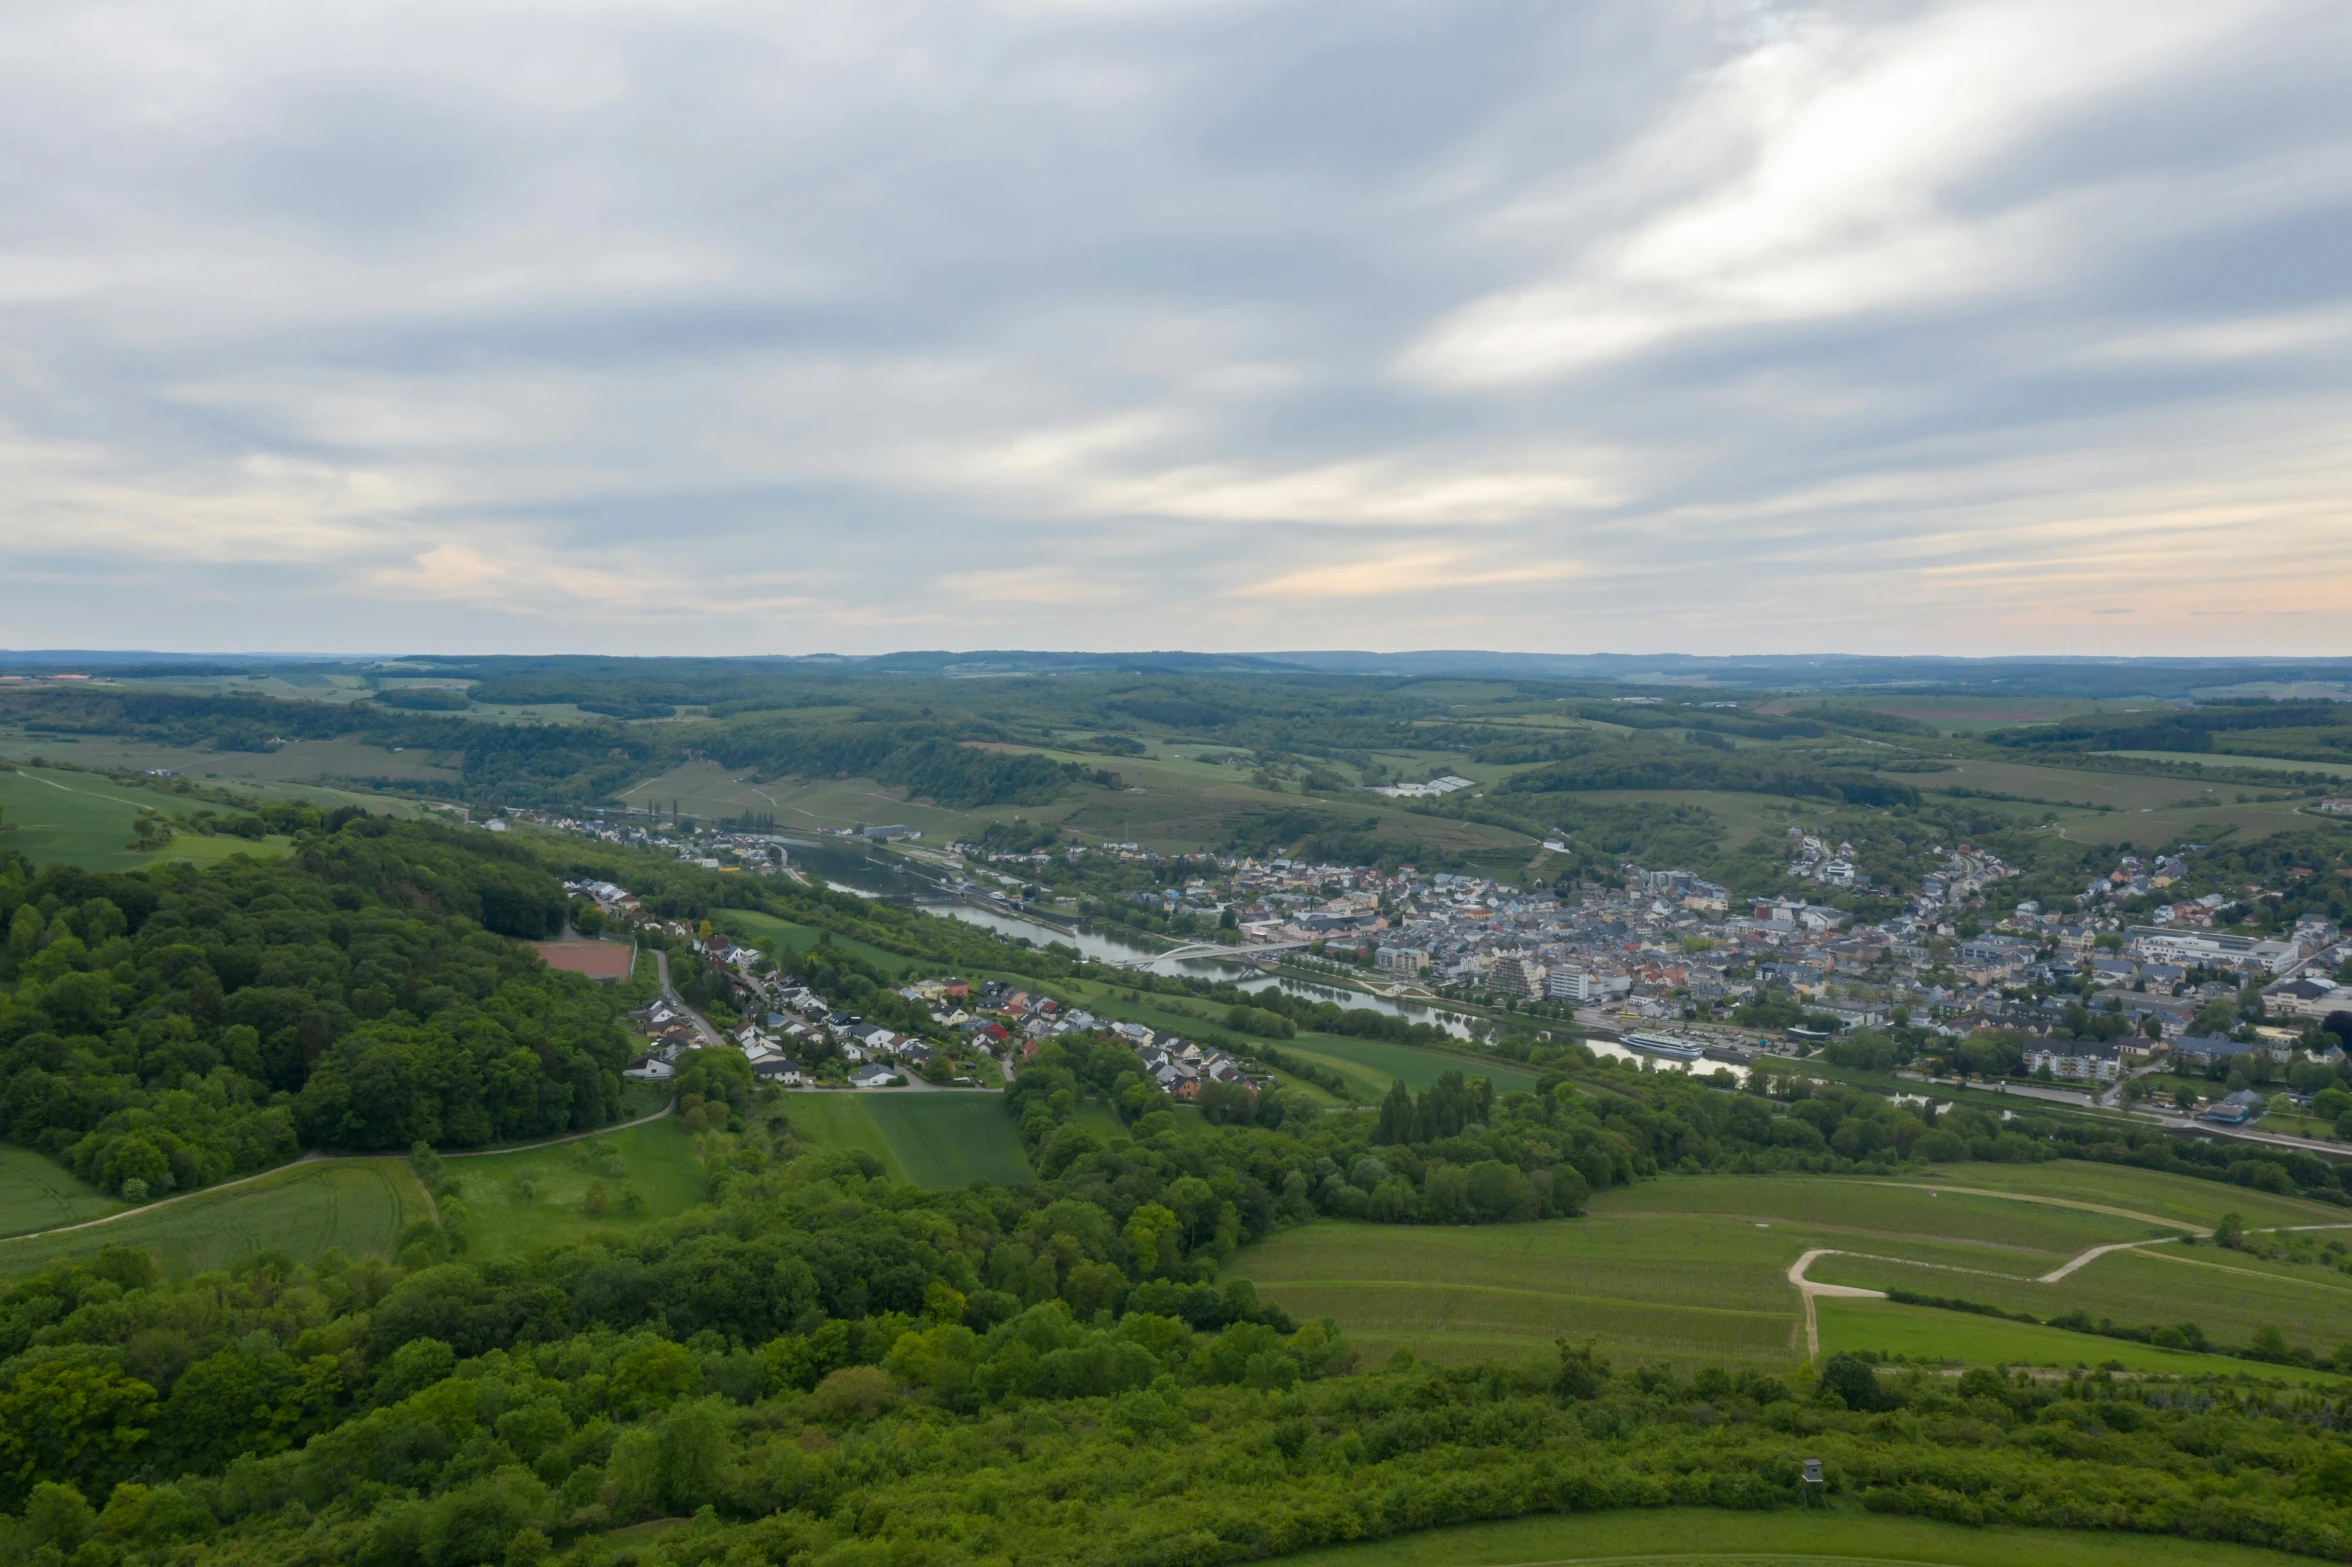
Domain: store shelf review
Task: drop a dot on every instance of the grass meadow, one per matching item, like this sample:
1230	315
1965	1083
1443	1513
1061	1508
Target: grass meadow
656	1160
357	1205
47	815
934	1140
40	1194
800	938
1704	1537
1693	1270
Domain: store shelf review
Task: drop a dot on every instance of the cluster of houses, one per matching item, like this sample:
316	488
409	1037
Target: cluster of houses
1180	1066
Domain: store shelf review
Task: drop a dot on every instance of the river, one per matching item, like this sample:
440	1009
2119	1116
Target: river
1117	947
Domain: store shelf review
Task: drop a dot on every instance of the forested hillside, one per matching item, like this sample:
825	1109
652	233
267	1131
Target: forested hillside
169	1029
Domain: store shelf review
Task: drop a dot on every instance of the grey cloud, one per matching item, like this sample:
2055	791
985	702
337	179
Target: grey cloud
462	326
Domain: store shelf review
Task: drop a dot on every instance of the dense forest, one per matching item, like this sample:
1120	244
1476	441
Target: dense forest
172	1028
822	1369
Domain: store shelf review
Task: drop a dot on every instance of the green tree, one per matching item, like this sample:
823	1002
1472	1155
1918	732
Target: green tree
58	1516
1151	1239
69	1420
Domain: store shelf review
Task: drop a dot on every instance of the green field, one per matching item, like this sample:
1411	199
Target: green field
1841	1535
1692	1291
1925	1333
1693	1270
2231	759
1373	1064
298	762
357	1205
41	1194
935	1140
2143	808
2170	1199
1171	802
800	938
656	1160
47	814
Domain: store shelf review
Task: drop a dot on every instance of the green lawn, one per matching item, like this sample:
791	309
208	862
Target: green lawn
357	1205
1690	1536
40	1194
47	814
1693	1269
936	1140
656	1160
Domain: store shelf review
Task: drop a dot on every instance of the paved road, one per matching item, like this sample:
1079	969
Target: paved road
711	1037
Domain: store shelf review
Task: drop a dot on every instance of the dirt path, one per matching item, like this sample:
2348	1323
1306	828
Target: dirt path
312	1157
1809	1291
320	1156
568	1137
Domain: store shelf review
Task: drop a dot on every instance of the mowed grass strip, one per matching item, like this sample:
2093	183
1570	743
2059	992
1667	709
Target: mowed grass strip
1928	1334
655	1160
41	1194
1691	1536
358	1206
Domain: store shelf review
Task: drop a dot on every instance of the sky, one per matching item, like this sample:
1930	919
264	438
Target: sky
1567	326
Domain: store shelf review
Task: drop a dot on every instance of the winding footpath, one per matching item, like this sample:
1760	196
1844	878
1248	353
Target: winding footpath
320	1155
1809	1291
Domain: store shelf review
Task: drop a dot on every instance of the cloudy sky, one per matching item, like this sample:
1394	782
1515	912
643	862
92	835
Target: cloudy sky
1573	325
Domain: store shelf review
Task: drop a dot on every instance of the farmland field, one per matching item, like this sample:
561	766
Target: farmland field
1693	1270
1923	1332
935	1140
302	761
1691	1536
2231	759
706	789
357	1205
41	1194
1688	1290
1170	803
48	814
2173	1199
655	1160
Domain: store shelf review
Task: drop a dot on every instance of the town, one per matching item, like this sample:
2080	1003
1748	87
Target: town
2126	993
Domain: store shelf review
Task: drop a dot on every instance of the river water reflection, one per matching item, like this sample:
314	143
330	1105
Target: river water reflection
1112	947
